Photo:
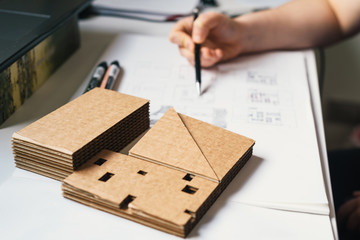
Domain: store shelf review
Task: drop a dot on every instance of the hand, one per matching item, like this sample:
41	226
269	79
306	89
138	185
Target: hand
349	215
218	35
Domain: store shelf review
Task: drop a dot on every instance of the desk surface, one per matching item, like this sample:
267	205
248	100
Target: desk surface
35	207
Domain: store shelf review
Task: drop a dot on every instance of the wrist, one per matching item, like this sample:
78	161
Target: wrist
247	37
257	31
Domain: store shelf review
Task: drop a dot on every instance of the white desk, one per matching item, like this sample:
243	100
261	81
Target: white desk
38	211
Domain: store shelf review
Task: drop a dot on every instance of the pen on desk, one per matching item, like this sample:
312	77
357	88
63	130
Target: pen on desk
97	76
111	75
197	59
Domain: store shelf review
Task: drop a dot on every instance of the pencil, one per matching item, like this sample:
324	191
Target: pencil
197	59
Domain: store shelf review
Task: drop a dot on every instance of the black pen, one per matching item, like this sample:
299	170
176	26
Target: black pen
111	75
197	59
97	76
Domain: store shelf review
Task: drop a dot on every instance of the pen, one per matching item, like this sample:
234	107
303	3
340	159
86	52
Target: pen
111	75
197	59
97	76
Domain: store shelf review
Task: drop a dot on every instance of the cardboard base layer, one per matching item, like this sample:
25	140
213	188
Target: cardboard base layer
191	196
49	174
72	194
38	161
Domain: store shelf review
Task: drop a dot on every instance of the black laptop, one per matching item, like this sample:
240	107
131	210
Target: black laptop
25	23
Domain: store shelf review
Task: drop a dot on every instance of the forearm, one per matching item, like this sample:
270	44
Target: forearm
298	24
295	25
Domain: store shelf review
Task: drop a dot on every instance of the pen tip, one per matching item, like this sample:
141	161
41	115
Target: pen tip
198	88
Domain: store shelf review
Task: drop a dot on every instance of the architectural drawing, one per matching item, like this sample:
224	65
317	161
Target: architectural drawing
261	77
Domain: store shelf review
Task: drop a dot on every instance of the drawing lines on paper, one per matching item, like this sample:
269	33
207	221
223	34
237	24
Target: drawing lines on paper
256	115
212	115
261	77
187	94
257	96
265	98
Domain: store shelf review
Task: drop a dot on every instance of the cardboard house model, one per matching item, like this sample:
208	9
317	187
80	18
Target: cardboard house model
170	177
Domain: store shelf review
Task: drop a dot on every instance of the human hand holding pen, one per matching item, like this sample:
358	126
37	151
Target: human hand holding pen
219	36
297	24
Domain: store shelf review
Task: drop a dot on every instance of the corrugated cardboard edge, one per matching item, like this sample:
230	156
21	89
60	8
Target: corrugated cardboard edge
42	145
114	210
219	189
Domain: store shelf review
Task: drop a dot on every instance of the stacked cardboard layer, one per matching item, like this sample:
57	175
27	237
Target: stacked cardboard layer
173	175
61	141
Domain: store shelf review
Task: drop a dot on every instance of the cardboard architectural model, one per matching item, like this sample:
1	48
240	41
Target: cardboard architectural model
61	141
170	178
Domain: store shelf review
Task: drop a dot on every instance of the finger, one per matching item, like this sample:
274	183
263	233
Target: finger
203	25
210	57
189	55
184	25
180	33
346	209
182	40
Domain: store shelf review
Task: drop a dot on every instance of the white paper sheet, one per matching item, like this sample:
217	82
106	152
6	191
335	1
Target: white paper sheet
35	209
264	97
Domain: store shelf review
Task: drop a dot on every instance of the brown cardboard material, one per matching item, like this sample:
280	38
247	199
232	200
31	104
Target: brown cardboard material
20	151
169	143
69	136
36	163
159	198
80	121
86	200
148	188
50	174
174	174
221	147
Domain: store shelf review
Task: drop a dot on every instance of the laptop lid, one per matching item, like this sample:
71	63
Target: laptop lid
24	24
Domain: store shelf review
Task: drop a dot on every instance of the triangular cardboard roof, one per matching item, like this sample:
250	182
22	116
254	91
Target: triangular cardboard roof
170	143
221	148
